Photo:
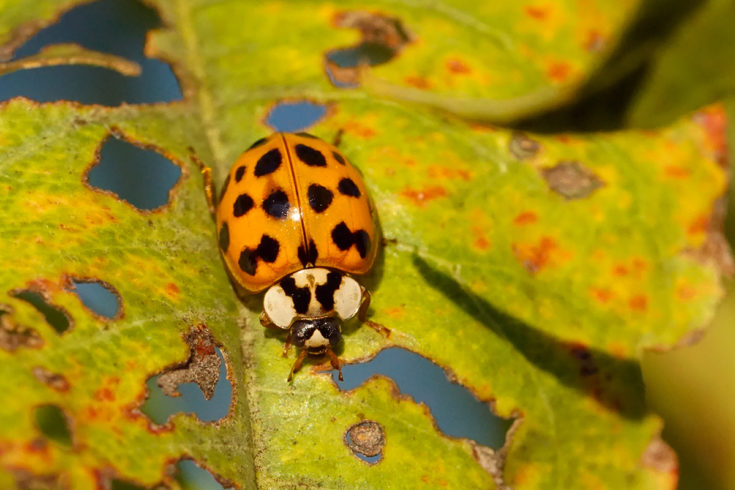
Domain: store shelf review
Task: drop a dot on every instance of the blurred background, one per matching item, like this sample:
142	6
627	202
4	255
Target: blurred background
692	388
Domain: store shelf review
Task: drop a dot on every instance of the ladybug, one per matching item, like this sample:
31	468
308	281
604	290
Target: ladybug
294	218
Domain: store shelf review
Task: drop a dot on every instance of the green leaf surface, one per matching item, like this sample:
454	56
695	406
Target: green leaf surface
681	78
535	269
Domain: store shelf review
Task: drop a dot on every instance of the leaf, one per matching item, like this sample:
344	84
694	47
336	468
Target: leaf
533	268
72	54
681	78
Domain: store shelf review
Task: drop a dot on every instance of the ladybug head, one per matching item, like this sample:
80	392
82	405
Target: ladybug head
316	335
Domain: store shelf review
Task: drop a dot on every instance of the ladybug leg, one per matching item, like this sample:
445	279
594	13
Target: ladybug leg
207	176
287	346
297	365
335	362
266	321
362	315
338	137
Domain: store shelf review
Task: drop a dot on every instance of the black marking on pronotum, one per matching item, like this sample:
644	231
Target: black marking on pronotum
258	143
344	239
325	292
276	204
308	255
310	156
301	297
242	205
268	163
224	237
239	173
348	188
306	135
267	251
224	188
319	197
339	158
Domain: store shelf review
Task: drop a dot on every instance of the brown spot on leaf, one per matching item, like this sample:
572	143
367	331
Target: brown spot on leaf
201	368
525	218
523	147
571	179
31	480
638	302
699	225
602	295
172	290
536	256
660	457
366	437
715	249
53	380
594	42
14	336
421	196
583	356
396	311
481	240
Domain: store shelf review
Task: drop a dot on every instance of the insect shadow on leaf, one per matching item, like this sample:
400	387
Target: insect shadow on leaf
617	384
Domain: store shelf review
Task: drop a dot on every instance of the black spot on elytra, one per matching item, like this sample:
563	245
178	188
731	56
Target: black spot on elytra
306	135
258	143
248	261
325	292
310	156
224	188
319	197
344	239
339	157
300	296
348	188
267	251
239	173
309	255
277	204
224	237
268	163
242	205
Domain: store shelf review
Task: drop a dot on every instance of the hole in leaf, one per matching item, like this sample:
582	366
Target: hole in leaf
54	315
141	177
52	422
109	26
192	476
98	296
292	116
456	410
200	385
383	38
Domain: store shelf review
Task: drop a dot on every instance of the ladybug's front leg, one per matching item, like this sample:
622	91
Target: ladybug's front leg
362	314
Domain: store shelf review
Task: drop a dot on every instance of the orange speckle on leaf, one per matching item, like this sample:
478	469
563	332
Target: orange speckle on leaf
536	12
481	241
676	172
358	129
457	66
437	171
172	290
699	225
395	311
639	265
601	294
594	41
421	196
104	394
638	302
714	121
685	292
535	256
418	82
525	218
620	270
559	71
